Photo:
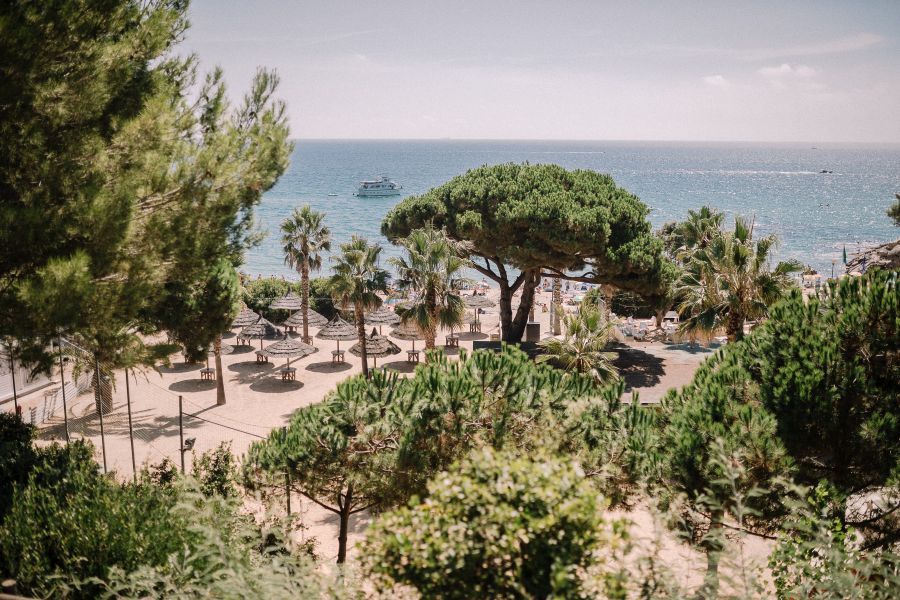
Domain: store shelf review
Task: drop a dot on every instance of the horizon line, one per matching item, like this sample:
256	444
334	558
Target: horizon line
593	140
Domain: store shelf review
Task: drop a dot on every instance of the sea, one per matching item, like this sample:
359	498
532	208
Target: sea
782	187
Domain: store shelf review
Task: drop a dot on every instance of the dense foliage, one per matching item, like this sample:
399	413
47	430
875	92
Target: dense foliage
727	279
373	443
121	176
495	526
538	218
828	369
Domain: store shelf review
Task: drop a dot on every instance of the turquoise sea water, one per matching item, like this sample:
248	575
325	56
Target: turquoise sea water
814	214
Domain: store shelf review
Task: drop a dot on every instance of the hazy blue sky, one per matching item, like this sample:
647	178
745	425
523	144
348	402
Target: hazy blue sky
675	70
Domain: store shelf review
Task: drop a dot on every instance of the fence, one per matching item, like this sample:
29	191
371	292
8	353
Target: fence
132	421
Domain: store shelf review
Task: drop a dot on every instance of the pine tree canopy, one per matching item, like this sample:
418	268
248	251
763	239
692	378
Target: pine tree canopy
119	172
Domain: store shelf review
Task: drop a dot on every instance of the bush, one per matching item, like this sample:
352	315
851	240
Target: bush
258	294
216	471
495	526
17	457
72	523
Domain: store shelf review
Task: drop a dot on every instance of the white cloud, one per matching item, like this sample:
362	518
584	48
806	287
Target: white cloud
787	71
716	81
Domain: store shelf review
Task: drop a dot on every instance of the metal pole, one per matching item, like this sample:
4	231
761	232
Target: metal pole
130	429
181	434
99	396
12	374
62	382
287	489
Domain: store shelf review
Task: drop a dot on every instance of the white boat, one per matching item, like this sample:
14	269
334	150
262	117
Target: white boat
378	187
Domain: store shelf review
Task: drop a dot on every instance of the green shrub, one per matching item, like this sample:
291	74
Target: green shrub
72	523
215	470
495	526
17	457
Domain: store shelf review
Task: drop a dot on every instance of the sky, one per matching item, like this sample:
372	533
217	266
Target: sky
725	70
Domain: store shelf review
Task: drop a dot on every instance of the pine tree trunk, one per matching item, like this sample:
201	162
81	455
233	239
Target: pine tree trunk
361	334
517	325
220	382
505	311
713	545
344	525
304	293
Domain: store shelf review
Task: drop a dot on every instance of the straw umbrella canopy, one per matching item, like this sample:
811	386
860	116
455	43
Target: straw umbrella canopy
289	301
408	331
245	317
383	315
478	302
296	319
377	346
338	330
289	348
261	329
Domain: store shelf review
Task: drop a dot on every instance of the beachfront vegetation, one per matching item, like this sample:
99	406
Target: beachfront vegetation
432	271
355	284
540	220
375	442
894	211
304	238
727	280
122	178
583	345
497	525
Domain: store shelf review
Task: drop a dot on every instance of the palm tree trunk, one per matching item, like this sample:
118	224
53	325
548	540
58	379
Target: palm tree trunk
431	330
220	383
304	293
734	326
556	307
361	334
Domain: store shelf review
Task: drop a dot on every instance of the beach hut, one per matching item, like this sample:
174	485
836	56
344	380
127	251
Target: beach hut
412	332
377	346
288	348
338	330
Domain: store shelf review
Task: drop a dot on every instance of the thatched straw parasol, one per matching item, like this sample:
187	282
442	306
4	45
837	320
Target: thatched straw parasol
885	256
261	329
377	346
383	315
289	348
408	331
289	301
224	349
244	318
296	319
477	303
338	330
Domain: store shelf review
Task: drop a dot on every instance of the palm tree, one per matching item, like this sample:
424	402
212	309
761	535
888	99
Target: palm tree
729	281
356	281
697	231
432	269
305	237
582	347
